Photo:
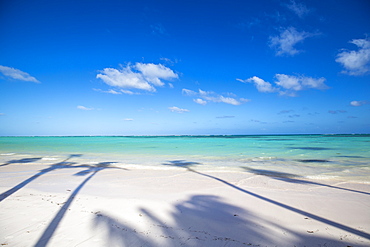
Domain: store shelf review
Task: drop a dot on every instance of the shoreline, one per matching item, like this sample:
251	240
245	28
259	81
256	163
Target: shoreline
290	169
103	204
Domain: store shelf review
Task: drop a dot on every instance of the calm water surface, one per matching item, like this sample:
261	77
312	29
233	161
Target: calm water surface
344	157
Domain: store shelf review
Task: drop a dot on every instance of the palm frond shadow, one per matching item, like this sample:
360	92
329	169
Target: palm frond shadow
188	165
61	165
65	164
92	170
201	220
293	178
21	161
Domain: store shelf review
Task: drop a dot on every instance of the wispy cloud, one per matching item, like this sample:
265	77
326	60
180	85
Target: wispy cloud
84	108
110	91
17	74
298	8
203	97
359	103
177	109
285	42
225	117
287	84
257	121
285	112
169	61
336	111
142	76
158	29
356	62
128	119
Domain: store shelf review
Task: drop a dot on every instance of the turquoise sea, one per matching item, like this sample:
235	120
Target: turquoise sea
343	157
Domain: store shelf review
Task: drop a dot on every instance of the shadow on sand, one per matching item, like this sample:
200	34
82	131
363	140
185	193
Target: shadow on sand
65	164
292	178
92	170
188	165
21	161
61	165
202	220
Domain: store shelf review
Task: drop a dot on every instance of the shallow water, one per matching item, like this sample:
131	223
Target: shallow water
344	157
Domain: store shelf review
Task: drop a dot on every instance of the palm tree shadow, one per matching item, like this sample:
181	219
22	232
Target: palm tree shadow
61	165
182	163
21	161
293	178
279	204
92	170
201	220
121	234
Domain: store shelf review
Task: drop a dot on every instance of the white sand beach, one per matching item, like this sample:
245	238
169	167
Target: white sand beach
106	204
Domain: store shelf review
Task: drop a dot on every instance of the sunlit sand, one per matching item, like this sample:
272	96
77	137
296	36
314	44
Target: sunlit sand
69	203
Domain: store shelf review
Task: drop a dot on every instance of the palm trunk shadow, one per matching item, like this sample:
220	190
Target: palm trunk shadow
49	231
293	209
53	167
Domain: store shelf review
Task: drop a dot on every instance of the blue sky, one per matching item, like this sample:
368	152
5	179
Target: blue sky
184	67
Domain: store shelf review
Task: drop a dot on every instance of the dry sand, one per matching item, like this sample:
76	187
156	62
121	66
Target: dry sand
67	204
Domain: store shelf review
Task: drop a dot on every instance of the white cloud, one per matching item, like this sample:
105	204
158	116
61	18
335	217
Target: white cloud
188	92
298	8
309	82
154	72
287	84
359	103
200	101
227	100
209	96
139	76
298	83
84	108
178	110
287	39
17	74
128	119
356	62
261	85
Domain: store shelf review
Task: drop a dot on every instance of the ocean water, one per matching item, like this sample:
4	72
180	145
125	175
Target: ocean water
343	157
